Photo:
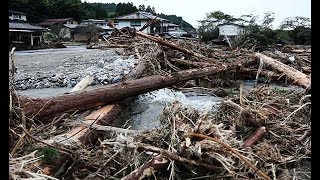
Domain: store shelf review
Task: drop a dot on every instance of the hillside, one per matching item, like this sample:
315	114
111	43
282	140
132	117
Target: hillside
39	10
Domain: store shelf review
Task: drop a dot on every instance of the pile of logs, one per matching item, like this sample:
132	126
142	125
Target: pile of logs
110	99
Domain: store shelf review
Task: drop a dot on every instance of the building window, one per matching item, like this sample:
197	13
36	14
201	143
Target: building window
135	23
16	16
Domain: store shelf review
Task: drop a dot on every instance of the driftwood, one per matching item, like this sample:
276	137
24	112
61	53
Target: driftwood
234	152
146	170
86	81
170	155
49	107
171	45
188	63
298	77
255	137
233	105
149	23
242	71
107	128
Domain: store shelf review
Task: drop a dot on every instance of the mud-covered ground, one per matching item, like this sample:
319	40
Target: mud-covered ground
50	68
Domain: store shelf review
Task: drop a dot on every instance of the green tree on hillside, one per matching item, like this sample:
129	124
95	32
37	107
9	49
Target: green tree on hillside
150	10
125	8
142	8
297	21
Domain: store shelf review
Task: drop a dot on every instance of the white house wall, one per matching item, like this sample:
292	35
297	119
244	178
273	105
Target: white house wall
19	17
230	30
123	24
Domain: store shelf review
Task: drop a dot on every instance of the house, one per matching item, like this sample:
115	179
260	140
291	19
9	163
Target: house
23	33
173	27
17	16
231	30
98	22
68	25
64	21
138	19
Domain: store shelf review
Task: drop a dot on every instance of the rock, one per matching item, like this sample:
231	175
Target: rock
117	79
65	82
47	85
100	64
291	58
74	76
125	72
105	82
55	79
73	83
23	87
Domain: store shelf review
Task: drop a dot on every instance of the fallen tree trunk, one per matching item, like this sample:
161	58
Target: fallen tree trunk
188	63
255	137
171	45
298	77
48	107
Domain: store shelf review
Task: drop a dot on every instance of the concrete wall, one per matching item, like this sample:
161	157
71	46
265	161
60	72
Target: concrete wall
230	30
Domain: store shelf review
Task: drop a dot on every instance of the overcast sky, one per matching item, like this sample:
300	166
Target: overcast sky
194	10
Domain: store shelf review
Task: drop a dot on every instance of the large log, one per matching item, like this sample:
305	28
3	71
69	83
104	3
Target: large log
170	44
188	63
298	77
48	107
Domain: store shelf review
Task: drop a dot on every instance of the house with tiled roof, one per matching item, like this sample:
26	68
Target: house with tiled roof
22	32
138	19
67	26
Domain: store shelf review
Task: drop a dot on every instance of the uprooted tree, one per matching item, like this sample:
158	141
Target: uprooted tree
208	29
56	33
90	31
295	30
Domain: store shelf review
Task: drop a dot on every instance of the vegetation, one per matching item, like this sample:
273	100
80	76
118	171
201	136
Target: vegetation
39	10
208	29
90	31
48	153
295	30
56	33
178	20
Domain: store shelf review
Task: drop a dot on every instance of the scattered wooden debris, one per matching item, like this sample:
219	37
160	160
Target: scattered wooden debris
189	143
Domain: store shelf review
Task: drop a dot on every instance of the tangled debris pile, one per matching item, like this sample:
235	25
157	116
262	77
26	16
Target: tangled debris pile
260	132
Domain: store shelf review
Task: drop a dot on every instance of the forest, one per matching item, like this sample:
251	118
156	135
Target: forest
39	10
